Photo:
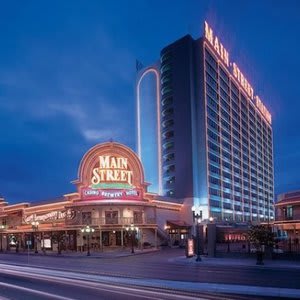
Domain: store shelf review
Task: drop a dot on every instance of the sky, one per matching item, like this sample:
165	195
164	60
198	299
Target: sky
67	76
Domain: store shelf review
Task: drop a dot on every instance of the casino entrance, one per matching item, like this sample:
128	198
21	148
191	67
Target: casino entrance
112	238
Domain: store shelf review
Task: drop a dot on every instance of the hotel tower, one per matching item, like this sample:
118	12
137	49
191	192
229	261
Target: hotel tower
203	135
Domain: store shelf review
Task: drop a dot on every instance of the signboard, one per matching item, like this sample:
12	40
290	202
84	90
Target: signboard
190	248
50	216
223	54
126	194
46	243
110	171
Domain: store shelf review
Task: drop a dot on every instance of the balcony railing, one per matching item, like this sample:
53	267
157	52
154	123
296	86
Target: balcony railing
112	221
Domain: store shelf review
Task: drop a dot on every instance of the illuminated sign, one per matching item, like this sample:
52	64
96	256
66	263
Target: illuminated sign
214	41
237	74
126	194
190	248
112	171
263	109
50	216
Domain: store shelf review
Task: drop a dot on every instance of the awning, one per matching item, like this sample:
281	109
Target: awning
178	224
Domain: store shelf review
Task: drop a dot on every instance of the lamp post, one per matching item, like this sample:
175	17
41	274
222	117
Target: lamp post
132	231
197	218
35	227
2	227
88	230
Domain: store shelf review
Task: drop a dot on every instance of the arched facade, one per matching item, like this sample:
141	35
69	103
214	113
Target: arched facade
111	196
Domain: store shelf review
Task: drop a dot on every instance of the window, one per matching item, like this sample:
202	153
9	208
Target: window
165	68
214	180
86	218
167	101
213	124
210	59
213	136
214	192
211	81
214	169
213	147
137	217
166	78
111	217
214	158
289	212
166	90
166	56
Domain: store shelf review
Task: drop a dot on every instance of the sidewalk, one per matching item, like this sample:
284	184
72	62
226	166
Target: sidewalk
107	253
250	262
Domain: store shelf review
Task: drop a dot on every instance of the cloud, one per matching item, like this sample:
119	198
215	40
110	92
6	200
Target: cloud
75	111
98	134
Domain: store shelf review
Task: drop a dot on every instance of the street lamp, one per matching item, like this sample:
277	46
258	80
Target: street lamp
2	227
88	230
35	227
132	231
197	218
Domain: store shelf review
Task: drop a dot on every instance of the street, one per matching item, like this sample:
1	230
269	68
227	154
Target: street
116	275
36	283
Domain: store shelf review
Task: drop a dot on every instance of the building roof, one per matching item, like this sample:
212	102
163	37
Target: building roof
290	197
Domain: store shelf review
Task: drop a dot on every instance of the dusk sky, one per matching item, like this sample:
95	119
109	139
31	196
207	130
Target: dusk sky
67	75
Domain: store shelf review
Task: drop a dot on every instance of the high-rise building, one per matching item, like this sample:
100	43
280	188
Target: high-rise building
211	137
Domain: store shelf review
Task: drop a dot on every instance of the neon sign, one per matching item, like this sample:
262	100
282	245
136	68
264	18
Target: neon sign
214	41
237	74
263	109
100	194
242	81
112	171
50	216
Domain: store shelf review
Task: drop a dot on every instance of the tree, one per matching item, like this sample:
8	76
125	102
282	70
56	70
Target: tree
260	236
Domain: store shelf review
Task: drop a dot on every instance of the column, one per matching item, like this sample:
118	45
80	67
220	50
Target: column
141	239
100	242
155	238
122	242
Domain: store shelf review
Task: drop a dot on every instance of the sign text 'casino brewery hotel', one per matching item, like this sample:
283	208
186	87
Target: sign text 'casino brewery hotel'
215	43
110	171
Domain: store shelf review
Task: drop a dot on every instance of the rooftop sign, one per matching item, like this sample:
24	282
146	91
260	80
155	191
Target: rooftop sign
223	54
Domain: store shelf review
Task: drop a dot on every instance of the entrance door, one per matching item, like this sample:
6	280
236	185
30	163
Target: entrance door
112	238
